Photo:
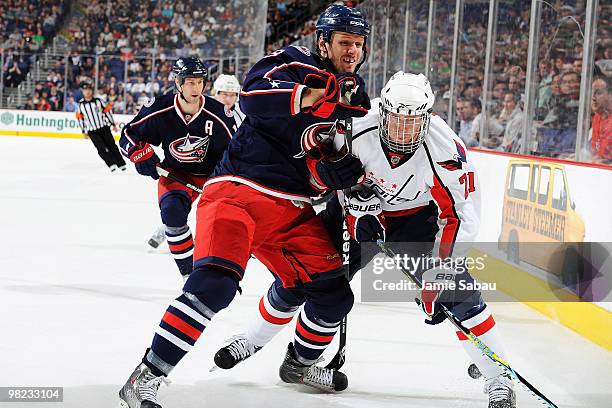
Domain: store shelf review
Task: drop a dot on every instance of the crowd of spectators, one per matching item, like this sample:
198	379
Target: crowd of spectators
25	25
128	49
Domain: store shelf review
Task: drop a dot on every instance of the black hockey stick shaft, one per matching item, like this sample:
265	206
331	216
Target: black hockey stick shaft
340	357
471	336
165	173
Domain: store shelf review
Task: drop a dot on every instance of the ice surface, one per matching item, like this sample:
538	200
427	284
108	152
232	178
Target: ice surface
81	293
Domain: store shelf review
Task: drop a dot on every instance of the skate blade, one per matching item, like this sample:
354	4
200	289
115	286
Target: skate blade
213	368
123	404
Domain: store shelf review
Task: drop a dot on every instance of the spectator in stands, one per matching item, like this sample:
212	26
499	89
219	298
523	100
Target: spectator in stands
511	118
467	109
29	105
545	75
570	89
494	129
601	130
43	104
14	76
552	111
71	105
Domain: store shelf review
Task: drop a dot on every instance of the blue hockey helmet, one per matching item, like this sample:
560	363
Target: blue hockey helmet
344	19
189	67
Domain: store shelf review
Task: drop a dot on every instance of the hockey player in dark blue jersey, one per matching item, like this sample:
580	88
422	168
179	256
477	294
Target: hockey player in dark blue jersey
257	202
193	131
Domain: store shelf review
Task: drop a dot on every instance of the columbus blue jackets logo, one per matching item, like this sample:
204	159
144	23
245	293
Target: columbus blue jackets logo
190	149
315	135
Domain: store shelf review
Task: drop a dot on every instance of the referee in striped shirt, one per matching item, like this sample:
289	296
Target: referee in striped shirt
95	119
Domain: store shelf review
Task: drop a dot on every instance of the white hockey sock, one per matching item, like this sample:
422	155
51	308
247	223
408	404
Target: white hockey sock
268	322
483	325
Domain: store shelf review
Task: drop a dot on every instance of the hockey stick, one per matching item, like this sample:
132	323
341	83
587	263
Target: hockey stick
471	336
165	173
340	357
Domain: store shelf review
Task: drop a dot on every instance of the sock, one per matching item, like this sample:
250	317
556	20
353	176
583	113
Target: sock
180	242
483	325
312	336
270	320
181	326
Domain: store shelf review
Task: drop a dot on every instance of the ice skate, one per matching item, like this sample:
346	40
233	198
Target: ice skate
239	349
140	390
501	392
326	379
158	237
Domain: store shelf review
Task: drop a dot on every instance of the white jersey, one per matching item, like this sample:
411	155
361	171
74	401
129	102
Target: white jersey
238	115
438	171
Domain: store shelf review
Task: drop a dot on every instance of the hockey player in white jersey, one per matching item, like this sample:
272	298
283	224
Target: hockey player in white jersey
226	90
420	187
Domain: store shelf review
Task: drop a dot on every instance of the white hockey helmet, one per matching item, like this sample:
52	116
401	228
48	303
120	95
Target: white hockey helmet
406	103
226	83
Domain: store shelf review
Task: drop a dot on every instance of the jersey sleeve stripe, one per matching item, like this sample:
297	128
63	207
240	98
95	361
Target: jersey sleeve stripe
296	98
447	213
265	91
268	74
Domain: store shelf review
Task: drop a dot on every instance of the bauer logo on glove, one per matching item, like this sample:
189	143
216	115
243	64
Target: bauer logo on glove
364	220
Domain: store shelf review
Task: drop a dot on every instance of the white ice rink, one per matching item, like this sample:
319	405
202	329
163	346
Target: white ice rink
80	296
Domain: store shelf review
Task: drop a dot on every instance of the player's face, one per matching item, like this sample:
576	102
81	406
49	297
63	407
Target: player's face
87	93
192	89
345	51
227	98
404	129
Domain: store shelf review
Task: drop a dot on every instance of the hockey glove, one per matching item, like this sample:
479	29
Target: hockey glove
364	220
331	102
436	284
144	158
353	91
335	174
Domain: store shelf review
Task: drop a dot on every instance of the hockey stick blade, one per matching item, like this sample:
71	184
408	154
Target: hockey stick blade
478	343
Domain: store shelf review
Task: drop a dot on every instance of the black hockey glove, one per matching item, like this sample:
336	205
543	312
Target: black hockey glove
335	174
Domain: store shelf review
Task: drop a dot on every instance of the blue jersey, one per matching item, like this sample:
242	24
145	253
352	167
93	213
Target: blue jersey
191	143
266	152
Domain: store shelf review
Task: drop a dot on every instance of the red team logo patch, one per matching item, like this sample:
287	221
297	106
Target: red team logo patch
190	149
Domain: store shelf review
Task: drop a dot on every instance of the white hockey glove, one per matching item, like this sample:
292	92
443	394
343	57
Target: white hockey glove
365	220
436	283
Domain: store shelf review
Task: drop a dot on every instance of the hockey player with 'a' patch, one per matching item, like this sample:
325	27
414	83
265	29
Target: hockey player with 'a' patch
420	188
258	202
193	130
